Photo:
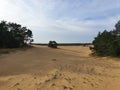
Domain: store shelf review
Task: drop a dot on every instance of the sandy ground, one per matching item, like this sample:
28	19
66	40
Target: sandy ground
66	68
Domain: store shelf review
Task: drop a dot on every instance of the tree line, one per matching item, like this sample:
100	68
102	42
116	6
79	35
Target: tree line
107	43
13	35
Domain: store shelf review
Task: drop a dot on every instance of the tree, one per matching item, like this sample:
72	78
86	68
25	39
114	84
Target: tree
117	28
13	35
108	42
52	44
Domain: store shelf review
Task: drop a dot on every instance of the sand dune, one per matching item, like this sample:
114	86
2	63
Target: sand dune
65	68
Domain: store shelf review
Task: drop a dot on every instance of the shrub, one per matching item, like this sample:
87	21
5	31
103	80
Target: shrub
52	44
107	43
13	35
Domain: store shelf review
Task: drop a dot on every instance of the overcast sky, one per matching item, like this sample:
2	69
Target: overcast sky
62	20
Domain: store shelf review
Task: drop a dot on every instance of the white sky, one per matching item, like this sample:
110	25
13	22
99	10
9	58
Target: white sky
62	20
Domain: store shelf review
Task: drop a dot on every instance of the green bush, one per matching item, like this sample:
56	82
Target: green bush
52	44
107	43
13	35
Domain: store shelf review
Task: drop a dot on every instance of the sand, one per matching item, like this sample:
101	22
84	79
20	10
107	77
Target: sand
65	68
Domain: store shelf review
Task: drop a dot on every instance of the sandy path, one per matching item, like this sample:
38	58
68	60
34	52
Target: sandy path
66	68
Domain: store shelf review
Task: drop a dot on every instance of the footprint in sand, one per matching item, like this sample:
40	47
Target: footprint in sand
53	84
54	59
67	88
16	84
68	79
19	89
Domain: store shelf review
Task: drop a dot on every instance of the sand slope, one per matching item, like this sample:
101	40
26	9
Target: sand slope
66	68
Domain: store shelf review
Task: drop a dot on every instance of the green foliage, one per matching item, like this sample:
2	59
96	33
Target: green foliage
52	44
13	35
108	43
